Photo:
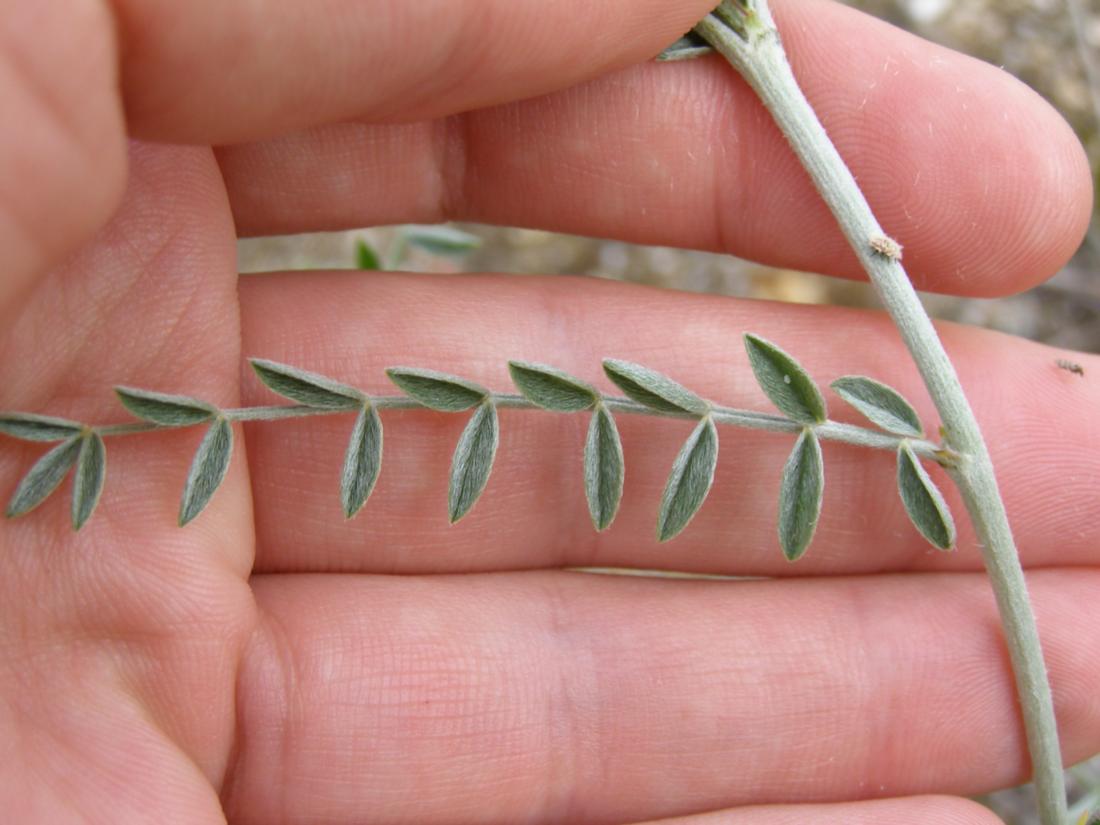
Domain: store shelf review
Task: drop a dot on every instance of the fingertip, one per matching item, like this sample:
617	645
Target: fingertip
1055	195
63	152
1021	200
981	179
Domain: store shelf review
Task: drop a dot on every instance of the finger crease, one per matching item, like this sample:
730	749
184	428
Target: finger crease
451	157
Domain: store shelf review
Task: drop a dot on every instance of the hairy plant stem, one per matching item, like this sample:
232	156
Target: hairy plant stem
754	49
747	419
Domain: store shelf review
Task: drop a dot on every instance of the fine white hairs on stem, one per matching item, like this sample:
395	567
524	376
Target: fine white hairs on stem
887	247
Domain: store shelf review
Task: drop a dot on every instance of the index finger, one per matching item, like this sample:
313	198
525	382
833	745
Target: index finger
982	182
214	72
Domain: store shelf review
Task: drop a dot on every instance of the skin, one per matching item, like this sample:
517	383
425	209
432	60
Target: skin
265	666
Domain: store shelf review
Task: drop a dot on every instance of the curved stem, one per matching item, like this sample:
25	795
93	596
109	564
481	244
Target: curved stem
746	419
754	49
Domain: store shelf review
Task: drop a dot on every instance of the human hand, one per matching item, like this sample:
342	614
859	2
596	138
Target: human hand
265	665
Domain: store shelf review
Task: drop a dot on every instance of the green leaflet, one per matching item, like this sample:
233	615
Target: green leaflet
603	468
880	404
653	390
365	257
30	427
166	410
91	470
305	387
923	500
688	47
362	462
440	240
473	460
800	496
44	477
690	481
437	390
785	382
208	469
551	388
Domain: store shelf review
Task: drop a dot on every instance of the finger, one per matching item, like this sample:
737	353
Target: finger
62	152
191	72
558	697
928	810
159	280
980	180
1038	419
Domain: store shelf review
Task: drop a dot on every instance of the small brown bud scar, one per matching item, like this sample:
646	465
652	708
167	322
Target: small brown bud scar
887	247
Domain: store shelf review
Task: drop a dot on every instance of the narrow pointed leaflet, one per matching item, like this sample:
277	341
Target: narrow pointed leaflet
690	481
551	389
31	427
688	47
163	409
437	390
440	239
44	477
362	462
800	496
785	382
208	469
473	460
923	500
880	404
91	470
307	388
652	389
603	468
366	258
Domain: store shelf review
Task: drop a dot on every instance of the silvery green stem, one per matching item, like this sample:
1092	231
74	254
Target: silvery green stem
746	419
754	48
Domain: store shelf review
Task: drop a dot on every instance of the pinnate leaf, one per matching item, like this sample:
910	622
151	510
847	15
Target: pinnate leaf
473	460
31	427
166	410
305	387
437	390
653	390
785	382
91	470
923	500
800	496
603	468
551	388
690	481
880	404
208	469
44	477
362	462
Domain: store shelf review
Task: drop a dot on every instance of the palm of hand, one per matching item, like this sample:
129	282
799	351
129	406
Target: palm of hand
123	644
154	674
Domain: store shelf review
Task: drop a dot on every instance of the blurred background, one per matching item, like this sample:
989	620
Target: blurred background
1053	45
